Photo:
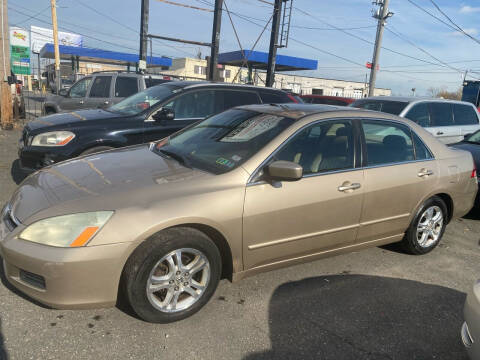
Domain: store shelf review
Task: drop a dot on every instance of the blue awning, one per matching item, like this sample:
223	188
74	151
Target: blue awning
101	56
259	60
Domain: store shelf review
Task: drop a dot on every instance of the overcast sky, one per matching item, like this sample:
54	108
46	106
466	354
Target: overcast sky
114	24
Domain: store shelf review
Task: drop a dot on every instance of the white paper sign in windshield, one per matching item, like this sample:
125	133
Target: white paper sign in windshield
252	128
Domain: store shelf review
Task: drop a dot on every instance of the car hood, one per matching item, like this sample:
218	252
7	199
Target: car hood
474	149
106	181
73	117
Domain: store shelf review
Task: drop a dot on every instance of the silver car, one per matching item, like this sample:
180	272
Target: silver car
447	120
471	327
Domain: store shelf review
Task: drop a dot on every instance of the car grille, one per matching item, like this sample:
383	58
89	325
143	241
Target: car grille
32	279
10	221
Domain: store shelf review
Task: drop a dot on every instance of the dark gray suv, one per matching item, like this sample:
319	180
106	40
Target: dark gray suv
100	90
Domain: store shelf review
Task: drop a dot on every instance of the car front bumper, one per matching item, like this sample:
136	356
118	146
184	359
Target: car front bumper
470	331
64	278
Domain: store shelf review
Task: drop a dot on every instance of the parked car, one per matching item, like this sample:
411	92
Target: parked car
447	120
99	90
146	116
470	332
471	143
326	100
249	190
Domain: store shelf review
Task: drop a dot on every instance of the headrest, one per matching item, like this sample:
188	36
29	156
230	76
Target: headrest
395	141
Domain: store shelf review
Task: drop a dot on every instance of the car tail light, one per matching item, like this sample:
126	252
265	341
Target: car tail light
292	98
474	171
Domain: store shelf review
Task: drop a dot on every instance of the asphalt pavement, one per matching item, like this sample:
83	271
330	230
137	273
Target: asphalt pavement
375	304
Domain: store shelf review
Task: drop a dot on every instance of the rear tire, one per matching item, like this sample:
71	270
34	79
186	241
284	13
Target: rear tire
427	227
159	288
96	149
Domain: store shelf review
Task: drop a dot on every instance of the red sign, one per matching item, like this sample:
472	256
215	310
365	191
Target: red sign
369	66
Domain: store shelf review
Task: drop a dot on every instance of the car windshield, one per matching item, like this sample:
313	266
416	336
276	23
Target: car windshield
386	106
143	100
474	138
225	141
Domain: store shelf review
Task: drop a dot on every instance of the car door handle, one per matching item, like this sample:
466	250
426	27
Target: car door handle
345	187
440	133
81	102
425	172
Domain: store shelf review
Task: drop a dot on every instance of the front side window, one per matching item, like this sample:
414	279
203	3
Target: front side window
79	89
193	105
101	87
126	86
464	115
441	114
387	143
225	141
322	147
419	113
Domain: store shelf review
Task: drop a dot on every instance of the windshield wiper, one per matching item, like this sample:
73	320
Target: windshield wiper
181	159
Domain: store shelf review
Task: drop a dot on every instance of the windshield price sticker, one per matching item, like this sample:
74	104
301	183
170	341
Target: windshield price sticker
252	128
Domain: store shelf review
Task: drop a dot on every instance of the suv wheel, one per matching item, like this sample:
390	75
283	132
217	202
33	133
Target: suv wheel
172	275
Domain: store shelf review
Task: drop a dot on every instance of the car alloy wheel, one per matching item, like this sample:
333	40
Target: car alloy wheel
178	280
430	226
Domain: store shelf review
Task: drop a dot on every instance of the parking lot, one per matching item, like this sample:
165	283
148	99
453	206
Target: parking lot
375	304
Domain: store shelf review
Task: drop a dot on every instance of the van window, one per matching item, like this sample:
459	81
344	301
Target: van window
126	86
441	114
464	115
419	113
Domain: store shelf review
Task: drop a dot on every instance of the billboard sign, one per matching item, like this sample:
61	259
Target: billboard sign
41	36
20	51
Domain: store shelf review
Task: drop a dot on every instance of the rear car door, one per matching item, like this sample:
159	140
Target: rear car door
189	108
399	172
442	125
465	117
77	95
319	212
99	95
125	86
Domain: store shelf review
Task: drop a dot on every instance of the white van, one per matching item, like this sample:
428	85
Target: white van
447	120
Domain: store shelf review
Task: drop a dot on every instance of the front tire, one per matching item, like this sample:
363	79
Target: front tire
427	228
172	275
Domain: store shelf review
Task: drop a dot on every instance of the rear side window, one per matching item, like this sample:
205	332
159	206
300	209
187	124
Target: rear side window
126	86
441	114
421	151
387	143
232	98
101	87
387	106
464	115
419	113
272	98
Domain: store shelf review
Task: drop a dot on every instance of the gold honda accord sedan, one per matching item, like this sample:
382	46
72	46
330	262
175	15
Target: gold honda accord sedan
249	190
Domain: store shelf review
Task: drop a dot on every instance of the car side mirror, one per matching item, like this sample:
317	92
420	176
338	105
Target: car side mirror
284	171
63	92
164	114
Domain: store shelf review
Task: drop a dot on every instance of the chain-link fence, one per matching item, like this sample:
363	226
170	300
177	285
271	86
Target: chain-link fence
28	105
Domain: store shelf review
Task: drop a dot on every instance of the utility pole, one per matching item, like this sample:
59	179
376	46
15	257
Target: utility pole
217	23
272	52
6	120
382	14
55	44
143	33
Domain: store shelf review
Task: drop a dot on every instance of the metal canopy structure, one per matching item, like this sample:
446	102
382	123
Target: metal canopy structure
101	56
259	60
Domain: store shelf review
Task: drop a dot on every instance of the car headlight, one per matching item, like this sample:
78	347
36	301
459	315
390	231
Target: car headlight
68	230
53	138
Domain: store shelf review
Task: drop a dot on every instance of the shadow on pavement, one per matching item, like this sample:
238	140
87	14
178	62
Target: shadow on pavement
474	214
364	317
4	281
3	351
17	174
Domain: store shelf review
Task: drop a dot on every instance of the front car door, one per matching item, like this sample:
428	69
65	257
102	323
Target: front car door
99	95
189	108
399	173
77	95
319	212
